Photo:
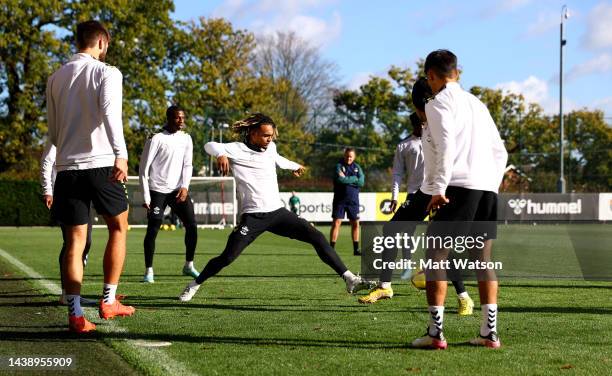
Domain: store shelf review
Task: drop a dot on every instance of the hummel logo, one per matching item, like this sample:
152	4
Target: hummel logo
517	205
156	210
244	230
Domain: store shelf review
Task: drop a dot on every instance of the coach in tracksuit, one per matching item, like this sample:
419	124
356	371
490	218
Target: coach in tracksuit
348	178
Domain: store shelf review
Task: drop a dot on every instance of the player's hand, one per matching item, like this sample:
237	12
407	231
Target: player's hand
146	206
181	196
437	201
393	206
48	200
341	174
223	165
299	171
120	170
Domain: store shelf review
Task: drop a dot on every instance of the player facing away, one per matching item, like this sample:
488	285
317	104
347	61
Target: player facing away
464	165
409	161
348	178
84	115
47	179
253	162
165	172
294	203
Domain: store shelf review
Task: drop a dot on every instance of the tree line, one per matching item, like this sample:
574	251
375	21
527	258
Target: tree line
218	73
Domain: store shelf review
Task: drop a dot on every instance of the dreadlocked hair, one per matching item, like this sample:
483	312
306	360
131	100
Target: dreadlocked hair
253	121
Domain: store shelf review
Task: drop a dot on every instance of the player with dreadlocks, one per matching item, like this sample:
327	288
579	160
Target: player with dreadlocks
253	162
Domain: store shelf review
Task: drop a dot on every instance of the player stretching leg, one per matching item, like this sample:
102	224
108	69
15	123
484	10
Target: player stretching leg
409	161
84	115
253	162
165	173
465	160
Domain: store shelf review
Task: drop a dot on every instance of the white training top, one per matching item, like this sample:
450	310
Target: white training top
166	163
255	174
47	169
461	144
84	114
408	160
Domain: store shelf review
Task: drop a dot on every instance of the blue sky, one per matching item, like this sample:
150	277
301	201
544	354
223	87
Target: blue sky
507	44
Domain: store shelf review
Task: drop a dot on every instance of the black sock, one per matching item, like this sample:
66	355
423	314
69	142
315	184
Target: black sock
355	246
333	244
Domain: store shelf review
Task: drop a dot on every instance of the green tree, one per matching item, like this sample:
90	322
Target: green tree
38	37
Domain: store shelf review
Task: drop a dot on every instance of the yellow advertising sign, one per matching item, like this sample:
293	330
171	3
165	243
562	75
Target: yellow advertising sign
383	205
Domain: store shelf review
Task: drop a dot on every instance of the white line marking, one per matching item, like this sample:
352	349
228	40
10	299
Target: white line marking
151	355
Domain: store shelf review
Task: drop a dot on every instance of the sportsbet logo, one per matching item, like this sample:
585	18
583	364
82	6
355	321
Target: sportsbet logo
383	205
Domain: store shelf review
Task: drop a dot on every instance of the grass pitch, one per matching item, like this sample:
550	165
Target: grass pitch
279	310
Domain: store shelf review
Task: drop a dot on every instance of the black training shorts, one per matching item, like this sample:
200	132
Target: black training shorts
76	190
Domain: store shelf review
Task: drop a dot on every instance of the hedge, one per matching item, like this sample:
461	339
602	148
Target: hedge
21	204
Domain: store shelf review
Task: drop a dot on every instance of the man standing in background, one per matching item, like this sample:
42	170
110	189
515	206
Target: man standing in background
348	178
294	203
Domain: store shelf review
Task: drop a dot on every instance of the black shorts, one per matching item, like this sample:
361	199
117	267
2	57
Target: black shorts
76	190
469	212
184	210
413	209
348	209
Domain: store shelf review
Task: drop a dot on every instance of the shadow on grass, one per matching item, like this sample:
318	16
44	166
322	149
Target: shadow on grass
64	335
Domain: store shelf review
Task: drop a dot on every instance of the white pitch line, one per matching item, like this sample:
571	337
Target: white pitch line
151	355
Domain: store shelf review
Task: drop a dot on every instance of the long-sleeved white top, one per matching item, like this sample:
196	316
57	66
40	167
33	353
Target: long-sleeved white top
47	169
84	114
166	163
255	174
461	144
408	160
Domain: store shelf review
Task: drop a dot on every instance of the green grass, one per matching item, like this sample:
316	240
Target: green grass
279	310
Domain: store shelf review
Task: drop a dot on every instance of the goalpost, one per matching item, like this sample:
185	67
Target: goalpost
214	202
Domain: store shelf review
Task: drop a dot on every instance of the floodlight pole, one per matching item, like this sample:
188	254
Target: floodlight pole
562	42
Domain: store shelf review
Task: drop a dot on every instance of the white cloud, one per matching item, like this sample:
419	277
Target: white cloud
604	104
599	27
533	89
601	64
502	6
536	90
546	21
270	16
359	79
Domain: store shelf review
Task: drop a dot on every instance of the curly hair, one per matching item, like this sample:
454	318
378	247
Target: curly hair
253	121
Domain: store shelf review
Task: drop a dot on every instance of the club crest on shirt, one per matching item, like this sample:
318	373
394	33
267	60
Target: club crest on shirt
244	230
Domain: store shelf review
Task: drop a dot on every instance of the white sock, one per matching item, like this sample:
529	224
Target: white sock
436	318
109	293
463	295
194	284
385	285
489	319
149	271
189	264
74	305
348	275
